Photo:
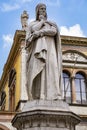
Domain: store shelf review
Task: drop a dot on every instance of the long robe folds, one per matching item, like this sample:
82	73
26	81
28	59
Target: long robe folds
44	63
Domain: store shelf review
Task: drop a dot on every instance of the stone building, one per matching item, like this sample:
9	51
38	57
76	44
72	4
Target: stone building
75	76
13	93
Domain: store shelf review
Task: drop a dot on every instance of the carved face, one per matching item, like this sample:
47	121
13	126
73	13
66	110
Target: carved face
42	12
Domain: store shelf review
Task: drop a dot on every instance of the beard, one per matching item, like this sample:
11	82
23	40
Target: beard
42	17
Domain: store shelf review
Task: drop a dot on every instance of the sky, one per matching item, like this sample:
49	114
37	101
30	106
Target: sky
69	15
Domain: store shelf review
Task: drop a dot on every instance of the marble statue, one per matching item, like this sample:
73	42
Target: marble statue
24	20
44	60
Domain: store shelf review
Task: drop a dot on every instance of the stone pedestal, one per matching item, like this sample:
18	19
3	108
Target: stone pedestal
46	115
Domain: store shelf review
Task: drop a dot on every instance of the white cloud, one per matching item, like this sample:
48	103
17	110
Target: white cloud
10	6
32	19
25	1
51	2
8	40
72	31
7	7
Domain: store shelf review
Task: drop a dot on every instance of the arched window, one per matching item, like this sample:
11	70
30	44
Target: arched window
81	90
66	87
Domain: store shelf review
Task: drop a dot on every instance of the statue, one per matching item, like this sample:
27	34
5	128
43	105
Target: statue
44	60
24	20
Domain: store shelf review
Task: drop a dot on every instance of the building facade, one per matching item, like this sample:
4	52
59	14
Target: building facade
13	92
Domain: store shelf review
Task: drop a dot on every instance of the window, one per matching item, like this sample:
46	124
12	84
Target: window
81	90
11	76
3	100
66	87
12	81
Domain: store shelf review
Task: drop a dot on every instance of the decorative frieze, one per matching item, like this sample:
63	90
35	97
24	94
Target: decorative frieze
74	57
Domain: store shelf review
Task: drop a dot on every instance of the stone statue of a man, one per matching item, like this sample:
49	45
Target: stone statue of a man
44	62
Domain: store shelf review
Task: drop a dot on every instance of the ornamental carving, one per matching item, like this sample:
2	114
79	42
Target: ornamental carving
73	56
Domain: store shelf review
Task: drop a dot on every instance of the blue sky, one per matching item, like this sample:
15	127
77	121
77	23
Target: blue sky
70	16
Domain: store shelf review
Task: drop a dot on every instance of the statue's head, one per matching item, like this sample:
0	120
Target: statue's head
41	11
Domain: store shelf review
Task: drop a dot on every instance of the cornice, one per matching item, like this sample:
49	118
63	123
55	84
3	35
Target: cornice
18	37
72	40
45	115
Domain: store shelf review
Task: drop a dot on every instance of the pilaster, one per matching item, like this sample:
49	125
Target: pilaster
23	91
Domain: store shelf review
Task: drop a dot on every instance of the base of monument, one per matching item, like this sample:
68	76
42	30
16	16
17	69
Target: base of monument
45	115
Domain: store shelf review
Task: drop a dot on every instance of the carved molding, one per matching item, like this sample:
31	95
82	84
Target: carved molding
72	40
57	119
39	113
74	57
3	127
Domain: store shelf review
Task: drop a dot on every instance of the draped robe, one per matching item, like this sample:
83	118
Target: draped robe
44	63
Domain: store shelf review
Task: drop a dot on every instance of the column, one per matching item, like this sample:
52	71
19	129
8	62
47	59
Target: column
73	89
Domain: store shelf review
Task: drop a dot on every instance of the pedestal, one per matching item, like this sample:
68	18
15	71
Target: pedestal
46	115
